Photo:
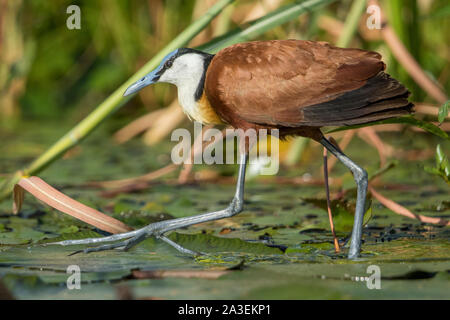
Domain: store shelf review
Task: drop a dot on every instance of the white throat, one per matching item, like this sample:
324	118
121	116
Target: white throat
186	98
186	73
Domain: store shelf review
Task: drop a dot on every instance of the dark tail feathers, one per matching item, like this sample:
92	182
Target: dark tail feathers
380	98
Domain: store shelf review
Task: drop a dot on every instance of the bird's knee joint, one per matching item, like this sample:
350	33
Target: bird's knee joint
361	175
236	206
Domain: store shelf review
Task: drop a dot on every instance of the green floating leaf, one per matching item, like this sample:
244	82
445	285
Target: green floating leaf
209	243
431	128
338	206
13	280
69	229
20	236
443	111
181	207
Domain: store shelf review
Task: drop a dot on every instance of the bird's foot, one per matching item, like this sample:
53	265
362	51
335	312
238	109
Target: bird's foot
159	229
132	238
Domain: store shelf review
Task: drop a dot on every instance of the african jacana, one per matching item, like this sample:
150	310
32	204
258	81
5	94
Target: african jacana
291	85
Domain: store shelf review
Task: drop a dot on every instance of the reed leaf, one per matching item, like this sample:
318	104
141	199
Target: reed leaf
429	127
351	23
259	26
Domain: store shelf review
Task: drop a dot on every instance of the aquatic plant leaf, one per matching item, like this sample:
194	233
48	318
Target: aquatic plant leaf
442	161
210	243
442	168
161	274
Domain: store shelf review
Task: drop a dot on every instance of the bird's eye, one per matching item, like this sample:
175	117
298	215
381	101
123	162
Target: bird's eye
168	64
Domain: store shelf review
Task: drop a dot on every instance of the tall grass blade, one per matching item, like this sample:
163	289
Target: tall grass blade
259	26
431	128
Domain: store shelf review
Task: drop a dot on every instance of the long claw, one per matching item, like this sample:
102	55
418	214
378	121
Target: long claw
75	252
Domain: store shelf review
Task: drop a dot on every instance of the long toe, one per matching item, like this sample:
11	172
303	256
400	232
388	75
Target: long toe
111	238
102	248
127	244
135	240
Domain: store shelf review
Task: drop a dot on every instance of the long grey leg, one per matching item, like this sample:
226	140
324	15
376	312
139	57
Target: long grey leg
234	208
158	229
361	179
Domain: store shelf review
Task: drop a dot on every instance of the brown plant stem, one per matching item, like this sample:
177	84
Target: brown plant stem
395	207
330	216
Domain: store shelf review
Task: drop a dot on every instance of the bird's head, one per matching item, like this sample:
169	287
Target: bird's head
180	67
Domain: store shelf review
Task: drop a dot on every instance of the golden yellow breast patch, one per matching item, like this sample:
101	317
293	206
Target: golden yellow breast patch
206	112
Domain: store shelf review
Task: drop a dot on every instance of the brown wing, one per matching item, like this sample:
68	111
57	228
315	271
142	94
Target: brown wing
272	82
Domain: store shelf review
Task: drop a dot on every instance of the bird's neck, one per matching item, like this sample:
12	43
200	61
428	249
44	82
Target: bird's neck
192	98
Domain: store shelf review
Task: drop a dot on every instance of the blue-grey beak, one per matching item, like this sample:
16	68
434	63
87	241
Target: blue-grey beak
149	79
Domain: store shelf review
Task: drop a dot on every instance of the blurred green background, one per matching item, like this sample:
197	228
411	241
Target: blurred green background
50	72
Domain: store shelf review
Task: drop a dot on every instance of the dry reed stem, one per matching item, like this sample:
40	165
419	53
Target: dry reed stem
395	207
331	25
345	141
54	198
260	9
169	119
408	62
411	65
141	182
137	126
384	150
126	182
428	109
187	167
